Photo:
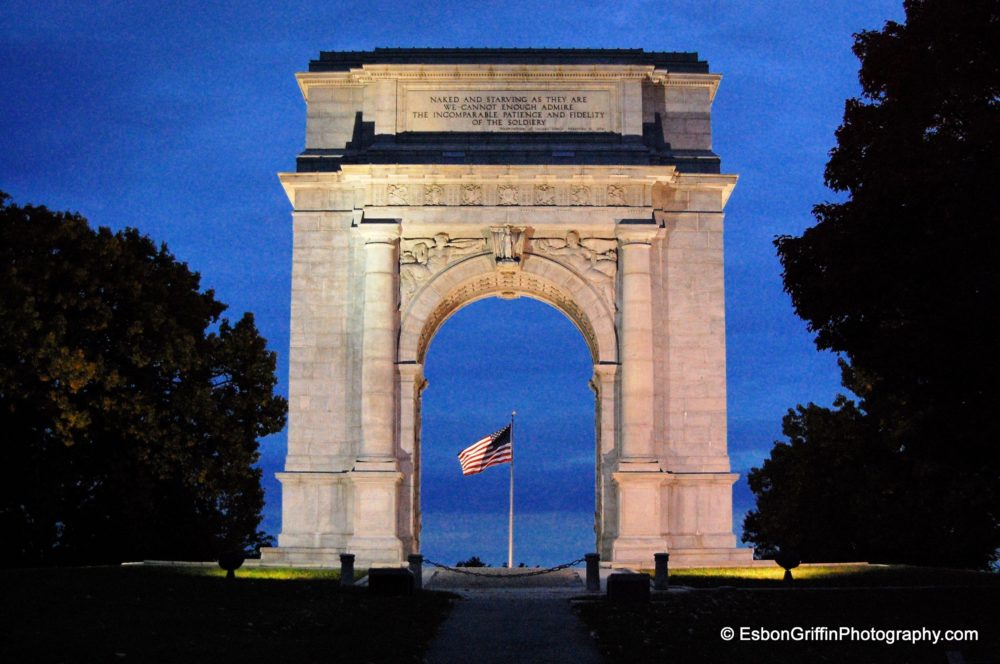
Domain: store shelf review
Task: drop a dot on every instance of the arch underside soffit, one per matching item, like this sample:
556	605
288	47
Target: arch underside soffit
476	278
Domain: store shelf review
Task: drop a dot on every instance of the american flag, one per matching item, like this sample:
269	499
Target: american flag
485	452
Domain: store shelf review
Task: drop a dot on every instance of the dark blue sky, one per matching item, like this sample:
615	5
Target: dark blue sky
175	116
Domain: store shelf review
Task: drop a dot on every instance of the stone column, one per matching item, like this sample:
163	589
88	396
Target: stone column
603	386
375	478
411	384
637	380
606	525
378	354
639	479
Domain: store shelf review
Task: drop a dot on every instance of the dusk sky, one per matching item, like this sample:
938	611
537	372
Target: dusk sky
174	117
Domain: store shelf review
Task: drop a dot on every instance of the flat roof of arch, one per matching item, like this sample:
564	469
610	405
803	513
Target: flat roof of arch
676	61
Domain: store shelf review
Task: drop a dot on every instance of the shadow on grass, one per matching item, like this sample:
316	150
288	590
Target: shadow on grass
686	626
148	614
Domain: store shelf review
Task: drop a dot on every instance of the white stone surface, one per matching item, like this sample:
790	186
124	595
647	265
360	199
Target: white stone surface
383	254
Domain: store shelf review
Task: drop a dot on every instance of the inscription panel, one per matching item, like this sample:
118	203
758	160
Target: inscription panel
470	109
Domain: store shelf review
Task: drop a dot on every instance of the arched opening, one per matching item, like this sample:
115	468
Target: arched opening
489	357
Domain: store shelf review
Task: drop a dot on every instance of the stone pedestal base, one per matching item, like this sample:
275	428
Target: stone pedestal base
325	557
641	517
300	556
636	552
715	557
326	514
376	551
688	515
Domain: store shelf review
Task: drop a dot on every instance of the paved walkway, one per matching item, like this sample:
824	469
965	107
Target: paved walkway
511	620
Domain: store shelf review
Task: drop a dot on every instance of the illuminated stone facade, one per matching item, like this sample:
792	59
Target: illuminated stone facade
433	178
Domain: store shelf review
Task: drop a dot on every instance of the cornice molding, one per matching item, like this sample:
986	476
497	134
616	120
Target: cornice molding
499	73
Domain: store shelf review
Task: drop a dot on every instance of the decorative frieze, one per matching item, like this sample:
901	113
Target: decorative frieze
433	194
579	194
396	194
544	194
507	194
616	195
472	194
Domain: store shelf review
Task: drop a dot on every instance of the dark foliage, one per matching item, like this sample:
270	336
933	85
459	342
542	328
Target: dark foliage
686	626
130	410
162	615
903	279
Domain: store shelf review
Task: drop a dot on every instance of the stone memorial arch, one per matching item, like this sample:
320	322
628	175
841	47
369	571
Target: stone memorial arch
433	178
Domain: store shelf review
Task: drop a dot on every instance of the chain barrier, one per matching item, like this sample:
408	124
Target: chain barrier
534	572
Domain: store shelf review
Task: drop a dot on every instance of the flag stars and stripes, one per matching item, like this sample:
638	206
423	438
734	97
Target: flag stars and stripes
488	451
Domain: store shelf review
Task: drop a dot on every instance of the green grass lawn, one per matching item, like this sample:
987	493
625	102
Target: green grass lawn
280	573
831	576
685	626
151	614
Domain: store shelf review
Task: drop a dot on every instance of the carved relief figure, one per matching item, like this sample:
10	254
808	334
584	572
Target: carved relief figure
545	194
420	258
396	194
413	269
507	244
616	195
472	194
595	259
433	194
507	194
579	194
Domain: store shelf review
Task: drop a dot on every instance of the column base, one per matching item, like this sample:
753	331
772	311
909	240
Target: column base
367	555
711	557
637	552
641	525
301	556
628	552
373	539
688	515
376	552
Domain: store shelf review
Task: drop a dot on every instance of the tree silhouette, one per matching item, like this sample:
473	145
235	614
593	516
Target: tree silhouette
903	279
130	409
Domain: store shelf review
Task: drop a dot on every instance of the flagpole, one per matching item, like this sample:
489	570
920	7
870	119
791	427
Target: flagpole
510	518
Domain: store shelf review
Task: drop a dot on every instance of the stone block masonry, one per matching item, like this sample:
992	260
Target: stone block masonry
424	187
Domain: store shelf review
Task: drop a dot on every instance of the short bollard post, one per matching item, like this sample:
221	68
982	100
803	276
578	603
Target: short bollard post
417	567
347	569
661	581
593	571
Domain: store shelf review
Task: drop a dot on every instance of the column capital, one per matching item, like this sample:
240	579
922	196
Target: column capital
379	231
605	370
637	231
413	373
410	370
